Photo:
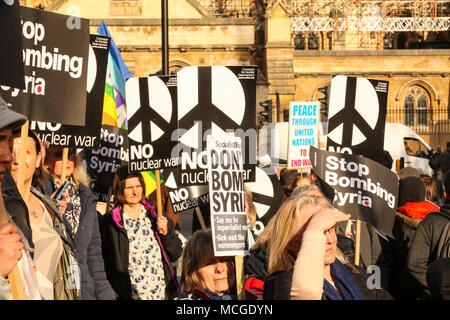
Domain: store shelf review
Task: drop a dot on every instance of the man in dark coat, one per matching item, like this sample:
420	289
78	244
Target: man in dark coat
424	246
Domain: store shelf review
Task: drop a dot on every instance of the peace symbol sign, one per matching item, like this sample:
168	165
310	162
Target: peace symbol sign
150	110
212	95
267	194
354	110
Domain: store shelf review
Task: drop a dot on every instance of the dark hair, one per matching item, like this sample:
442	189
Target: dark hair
430	188
119	185
447	183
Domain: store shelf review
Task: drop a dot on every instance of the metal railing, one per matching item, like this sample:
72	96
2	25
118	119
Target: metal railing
228	8
433	124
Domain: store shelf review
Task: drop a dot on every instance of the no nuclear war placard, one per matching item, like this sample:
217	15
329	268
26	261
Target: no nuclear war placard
152	120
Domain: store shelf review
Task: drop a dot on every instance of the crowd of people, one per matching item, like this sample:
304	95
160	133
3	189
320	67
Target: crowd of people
66	250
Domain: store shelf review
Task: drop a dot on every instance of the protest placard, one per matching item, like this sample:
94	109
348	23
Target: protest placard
303	132
215	100
55	55
87	136
267	196
103	162
152	119
227	196
184	198
363	188
11	63
357	116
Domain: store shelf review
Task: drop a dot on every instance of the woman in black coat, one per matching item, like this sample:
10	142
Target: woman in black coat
81	220
138	244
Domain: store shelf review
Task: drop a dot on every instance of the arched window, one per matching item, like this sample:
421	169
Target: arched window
416	103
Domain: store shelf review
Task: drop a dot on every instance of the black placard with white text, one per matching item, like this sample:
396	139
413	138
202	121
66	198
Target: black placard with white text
357	116
103	162
11	62
55	54
184	198
152	119
215	100
87	136
363	188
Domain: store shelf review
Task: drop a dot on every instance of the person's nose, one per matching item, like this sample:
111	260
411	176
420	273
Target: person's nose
330	236
220	267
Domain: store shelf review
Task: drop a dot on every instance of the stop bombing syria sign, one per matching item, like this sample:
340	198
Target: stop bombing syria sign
303	132
55	55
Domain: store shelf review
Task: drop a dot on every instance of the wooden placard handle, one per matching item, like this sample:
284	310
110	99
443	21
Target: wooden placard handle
240	277
357	241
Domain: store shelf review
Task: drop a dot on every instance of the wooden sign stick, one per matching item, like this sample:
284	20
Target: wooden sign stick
200	218
20	173
158	195
357	241
240	277
65	156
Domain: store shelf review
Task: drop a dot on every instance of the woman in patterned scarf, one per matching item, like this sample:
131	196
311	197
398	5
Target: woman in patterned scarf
81	219
138	244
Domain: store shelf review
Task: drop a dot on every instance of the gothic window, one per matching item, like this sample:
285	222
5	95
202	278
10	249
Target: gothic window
417	105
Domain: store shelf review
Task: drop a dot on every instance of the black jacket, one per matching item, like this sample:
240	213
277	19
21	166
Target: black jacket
16	207
94	285
278	285
115	247
423	249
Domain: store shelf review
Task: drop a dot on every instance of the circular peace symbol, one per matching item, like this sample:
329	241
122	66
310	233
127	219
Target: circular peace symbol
354	110
146	124
214	107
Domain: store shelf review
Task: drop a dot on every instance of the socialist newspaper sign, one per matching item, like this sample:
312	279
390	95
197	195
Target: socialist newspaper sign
87	136
303	132
363	188
215	100
11	63
357	116
55	55
184	198
227	196
103	162
152	119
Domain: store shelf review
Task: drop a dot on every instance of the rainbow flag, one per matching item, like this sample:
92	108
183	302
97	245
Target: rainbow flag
114	105
150	181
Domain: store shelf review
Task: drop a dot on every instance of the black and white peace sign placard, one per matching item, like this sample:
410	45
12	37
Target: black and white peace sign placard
267	196
357	115
214	100
152	118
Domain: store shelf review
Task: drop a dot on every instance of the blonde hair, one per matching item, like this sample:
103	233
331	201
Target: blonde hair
282	230
263	239
251	210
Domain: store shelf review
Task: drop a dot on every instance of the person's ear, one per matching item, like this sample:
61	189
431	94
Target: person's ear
38	160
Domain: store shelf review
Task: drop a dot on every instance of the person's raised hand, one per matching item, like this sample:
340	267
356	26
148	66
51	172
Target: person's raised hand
325	218
10	248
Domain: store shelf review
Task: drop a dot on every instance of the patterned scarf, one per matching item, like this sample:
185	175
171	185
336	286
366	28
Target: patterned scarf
73	211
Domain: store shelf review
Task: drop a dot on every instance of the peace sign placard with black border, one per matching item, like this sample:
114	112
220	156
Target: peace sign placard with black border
357	116
215	100
152	118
